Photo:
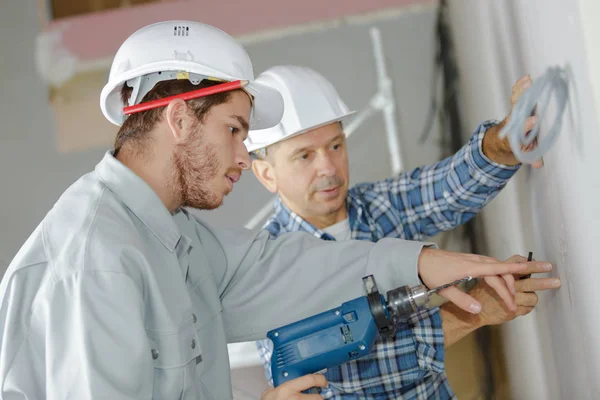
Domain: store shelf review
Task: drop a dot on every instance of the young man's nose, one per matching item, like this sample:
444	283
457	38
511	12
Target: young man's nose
242	157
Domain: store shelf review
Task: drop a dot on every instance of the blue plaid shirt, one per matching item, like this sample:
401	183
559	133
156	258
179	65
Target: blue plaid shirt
416	204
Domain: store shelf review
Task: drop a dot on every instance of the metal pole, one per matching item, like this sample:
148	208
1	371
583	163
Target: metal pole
388	103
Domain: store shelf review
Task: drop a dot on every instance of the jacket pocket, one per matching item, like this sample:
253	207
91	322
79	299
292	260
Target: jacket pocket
174	354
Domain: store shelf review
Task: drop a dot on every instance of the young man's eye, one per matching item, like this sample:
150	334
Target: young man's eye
233	130
336	146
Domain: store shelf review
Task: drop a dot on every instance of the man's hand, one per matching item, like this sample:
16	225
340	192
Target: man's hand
458	324
498	150
438	267
292	390
494	312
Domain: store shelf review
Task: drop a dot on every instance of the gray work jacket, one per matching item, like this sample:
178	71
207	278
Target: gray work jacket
112	297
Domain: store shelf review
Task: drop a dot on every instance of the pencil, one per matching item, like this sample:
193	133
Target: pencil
529	258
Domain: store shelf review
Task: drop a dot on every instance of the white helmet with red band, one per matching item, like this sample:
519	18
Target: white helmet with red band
184	50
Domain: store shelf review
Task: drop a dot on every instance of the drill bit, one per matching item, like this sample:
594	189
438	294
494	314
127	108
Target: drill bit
437	289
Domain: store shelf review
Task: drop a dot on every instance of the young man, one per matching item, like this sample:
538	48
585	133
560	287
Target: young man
120	293
305	161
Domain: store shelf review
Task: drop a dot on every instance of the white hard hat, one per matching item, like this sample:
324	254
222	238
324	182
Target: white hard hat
310	102
192	50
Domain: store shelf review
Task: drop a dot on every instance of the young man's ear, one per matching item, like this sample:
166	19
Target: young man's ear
263	170
179	119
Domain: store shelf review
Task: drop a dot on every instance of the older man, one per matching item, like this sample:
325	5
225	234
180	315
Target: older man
304	160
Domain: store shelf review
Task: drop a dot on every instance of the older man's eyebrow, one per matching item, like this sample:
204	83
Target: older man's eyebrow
341	136
300	150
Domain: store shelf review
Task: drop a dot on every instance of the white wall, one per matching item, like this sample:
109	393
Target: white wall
32	172
554	212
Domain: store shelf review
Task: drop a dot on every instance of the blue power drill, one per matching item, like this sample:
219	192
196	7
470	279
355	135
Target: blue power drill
344	333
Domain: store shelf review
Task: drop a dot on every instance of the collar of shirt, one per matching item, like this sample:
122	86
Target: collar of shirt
289	221
139	197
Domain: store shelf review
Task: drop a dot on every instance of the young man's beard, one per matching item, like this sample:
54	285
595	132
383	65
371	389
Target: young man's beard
195	165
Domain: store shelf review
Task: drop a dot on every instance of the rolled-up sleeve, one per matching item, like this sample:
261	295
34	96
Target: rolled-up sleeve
437	197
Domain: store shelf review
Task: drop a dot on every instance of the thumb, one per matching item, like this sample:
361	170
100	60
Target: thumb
461	299
538	164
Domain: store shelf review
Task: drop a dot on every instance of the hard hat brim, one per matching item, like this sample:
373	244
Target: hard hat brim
257	146
267	106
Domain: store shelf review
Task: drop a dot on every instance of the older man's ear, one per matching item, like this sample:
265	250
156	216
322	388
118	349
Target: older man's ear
263	170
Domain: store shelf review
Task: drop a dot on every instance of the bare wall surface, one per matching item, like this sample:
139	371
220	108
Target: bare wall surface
244	19
32	173
553	354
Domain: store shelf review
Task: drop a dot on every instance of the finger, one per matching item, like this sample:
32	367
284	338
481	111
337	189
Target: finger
496	268
524	82
535	267
305	382
498	285
526	299
536	284
520	82
516	258
524	310
538	164
461	299
529	124
523	79
520	87
509	279
531	145
528	127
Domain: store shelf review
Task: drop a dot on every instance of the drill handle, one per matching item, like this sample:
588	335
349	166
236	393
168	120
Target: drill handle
322	341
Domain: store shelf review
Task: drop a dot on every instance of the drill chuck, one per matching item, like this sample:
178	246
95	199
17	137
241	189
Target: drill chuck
403	301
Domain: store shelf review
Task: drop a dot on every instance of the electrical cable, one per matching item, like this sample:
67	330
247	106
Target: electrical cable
537	98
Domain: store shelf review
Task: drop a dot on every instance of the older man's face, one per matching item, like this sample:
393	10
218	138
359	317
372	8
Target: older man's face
311	171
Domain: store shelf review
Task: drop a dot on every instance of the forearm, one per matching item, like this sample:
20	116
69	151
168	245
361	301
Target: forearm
440	196
457	323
